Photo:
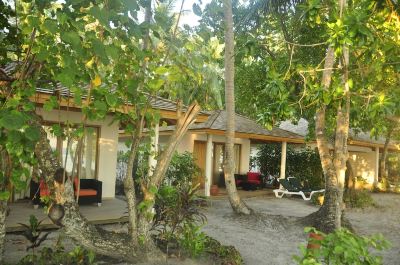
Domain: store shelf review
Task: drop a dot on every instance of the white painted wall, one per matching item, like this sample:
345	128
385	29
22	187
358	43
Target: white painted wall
363	165
108	145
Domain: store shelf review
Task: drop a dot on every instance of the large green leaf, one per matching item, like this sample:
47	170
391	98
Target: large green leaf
12	120
32	133
72	38
4	195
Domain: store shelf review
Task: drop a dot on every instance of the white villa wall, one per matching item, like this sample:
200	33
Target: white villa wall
363	165
108	145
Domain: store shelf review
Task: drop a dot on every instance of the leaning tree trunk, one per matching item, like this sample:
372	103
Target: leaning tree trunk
237	204
65	212
382	162
145	218
3	214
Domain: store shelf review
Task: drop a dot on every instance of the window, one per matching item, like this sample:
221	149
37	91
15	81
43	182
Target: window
66	150
219	159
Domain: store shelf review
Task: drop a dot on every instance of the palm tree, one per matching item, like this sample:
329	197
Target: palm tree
237	204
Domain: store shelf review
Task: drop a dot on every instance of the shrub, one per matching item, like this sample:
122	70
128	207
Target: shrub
343	247
192	240
48	256
303	163
358	198
182	170
228	255
178	215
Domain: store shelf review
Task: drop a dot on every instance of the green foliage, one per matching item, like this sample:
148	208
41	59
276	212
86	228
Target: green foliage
178	217
302	163
358	198
193	241
228	255
343	247
176	207
182	169
48	256
33	233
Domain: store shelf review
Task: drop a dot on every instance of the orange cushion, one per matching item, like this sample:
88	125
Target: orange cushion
44	191
87	192
76	183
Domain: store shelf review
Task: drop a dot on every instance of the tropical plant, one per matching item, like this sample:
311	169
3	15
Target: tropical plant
343	247
178	209
33	233
193	240
182	170
228	255
48	256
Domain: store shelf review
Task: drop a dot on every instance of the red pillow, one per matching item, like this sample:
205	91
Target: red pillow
253	176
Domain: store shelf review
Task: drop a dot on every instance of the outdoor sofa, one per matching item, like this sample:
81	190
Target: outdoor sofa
90	191
249	181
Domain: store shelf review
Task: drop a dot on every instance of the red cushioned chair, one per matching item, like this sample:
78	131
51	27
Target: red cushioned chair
90	191
253	181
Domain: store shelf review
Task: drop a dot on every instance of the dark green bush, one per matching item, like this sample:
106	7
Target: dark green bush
48	256
178	208
301	162
182	170
345	248
228	255
358	198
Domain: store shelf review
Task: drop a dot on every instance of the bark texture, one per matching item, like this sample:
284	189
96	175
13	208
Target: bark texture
75	225
3	214
329	217
382	161
237	204
145	217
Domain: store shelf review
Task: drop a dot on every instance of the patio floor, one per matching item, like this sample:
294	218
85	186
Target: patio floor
111	211
223	193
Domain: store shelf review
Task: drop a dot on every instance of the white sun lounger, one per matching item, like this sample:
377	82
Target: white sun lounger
280	192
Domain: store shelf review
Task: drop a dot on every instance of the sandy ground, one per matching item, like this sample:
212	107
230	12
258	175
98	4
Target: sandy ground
274	238
270	237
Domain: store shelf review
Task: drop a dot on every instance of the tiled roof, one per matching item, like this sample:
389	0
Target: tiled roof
217	121
301	128
156	101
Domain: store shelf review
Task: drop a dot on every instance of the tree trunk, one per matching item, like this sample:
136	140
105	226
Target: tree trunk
237	204
382	161
328	217
145	220
3	214
75	225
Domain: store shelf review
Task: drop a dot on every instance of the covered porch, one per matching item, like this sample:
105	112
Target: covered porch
112	211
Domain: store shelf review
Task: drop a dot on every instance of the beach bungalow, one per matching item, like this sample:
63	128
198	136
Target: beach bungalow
364	151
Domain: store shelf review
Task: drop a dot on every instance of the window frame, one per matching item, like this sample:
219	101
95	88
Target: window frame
60	140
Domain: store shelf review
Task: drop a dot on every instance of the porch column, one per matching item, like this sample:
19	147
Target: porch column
154	149
376	179
283	160
207	184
